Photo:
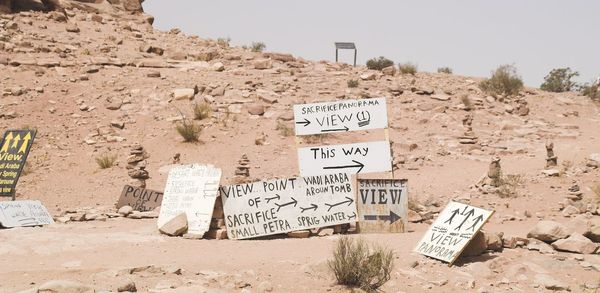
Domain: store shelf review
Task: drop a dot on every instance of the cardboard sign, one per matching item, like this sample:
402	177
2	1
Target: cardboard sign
340	116
14	149
285	205
454	228
382	205
140	199
191	189
22	213
369	157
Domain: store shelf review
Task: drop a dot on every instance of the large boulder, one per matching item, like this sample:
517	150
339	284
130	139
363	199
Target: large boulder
176	226
576	243
593	231
548	231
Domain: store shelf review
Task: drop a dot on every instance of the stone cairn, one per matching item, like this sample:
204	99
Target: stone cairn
468	136
522	108
136	164
493	179
242	171
551	159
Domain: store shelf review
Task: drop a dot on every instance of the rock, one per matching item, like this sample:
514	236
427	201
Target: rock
440	97
256	109
540	246
218	66
570	210
299	234
593	231
493	241
63	286
176	226
551	172
113	103
371	75
509	242
127	286
72	28
216	234
265	286
414	217
477	245
263	64
576	243
280	57
183	94
117	124
325	232
153	74
390	70
550	283
125	211
548	231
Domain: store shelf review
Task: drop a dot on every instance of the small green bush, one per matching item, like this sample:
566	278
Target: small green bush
446	70
355	264
504	81
202	111
591	91
106	160
379	63
407	68
559	80
352	83
224	42
190	131
258	46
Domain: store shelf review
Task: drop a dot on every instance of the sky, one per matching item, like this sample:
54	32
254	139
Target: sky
473	37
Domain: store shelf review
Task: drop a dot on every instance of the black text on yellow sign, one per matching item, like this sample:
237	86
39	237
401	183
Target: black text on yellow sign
14	149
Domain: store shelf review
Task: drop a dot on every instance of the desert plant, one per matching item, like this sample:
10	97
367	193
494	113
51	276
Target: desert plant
504	81
407	68
352	83
379	63
591	90
446	70
508	185
467	102
106	160
559	80
86	51
566	165
258	46
224	42
202	111
189	130
596	190
283	129
357	264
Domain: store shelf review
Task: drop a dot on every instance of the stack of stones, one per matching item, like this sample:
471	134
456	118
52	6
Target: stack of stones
469	136
575	193
136	164
551	159
242	172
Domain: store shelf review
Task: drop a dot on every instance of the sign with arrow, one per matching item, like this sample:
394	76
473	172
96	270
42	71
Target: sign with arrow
285	205
382	205
356	158
452	231
191	189
340	116
14	149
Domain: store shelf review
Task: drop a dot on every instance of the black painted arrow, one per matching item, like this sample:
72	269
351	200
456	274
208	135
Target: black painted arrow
336	129
294	202
312	207
272	198
454	213
306	122
392	217
477	220
470	213
358	165
349	202
353	216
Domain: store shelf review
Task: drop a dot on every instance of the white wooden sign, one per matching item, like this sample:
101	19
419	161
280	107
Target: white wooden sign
382	205
191	189
340	116
454	228
368	157
285	205
22	213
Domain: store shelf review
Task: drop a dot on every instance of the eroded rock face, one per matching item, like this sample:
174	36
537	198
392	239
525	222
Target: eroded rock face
8	6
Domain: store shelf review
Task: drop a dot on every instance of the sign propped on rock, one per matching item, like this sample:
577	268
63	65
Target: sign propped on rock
285	205
454	228
340	116
14	149
382	205
368	157
140	199
23	213
191	189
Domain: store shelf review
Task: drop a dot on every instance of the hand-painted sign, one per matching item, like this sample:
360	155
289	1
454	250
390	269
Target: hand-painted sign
454	228
340	116
140	199
382	205
368	157
191	189
285	205
14	149
23	213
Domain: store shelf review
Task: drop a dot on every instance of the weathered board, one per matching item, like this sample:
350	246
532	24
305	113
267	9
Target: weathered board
285	205
140	199
23	213
14	149
453	229
340	116
382	205
191	189
367	157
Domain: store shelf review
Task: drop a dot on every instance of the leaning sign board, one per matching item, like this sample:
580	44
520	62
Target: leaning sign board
191	189
382	205
22	213
140	199
14	149
340	116
454	228
367	157
285	205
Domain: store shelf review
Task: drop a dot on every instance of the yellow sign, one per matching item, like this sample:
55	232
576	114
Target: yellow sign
13	154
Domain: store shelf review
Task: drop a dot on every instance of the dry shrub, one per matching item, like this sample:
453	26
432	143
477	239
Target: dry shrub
106	160
591	90
379	63
202	111
258	46
509	184
407	68
190	131
566	165
446	70
504	81
352	83
467	102
355	263
596	190
284	129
